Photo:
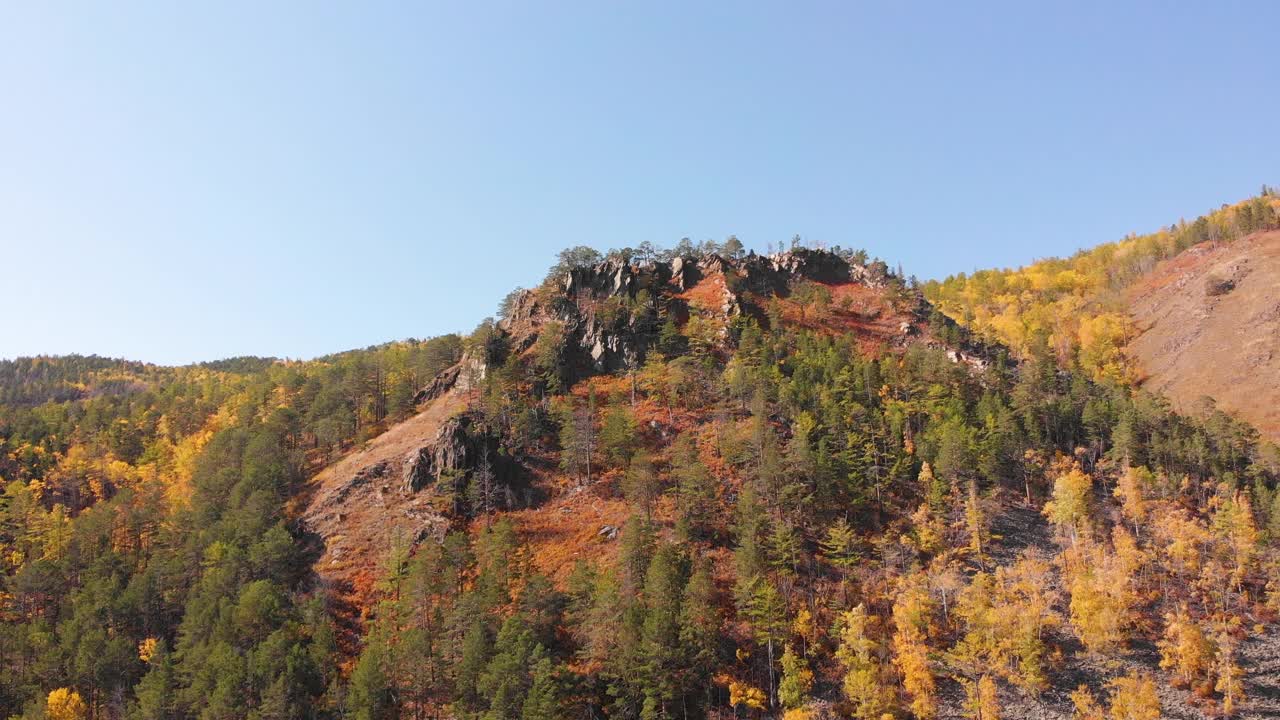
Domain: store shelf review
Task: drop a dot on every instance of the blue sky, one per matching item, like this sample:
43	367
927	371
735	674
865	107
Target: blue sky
189	181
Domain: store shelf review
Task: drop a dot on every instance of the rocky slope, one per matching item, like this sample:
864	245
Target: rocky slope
607	318
1209	323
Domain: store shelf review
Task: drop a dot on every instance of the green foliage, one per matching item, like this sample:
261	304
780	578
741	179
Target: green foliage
150	509
797	680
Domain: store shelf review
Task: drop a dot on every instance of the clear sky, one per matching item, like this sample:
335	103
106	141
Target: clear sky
186	181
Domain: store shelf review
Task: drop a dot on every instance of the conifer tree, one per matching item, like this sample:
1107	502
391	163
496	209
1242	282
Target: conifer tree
694	491
981	699
700	630
1133	697
911	615
767	613
543	700
663	661
371	693
641	483
839	546
156	691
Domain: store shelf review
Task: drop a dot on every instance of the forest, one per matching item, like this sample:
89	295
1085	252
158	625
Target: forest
818	526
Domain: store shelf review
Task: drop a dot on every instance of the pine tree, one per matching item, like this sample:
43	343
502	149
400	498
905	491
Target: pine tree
578	438
543	700
641	483
767	613
618	435
748	555
505	681
700	630
476	649
695	492
156	691
660	635
784	549
636	552
371	694
839	546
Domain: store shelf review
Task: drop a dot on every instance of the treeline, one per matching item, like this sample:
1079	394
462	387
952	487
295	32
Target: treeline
150	417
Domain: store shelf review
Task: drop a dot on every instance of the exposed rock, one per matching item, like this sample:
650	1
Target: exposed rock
684	274
1218	286
604	331
439	385
361	478
461	445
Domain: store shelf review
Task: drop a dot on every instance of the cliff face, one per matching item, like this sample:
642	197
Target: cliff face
1209	322
610	313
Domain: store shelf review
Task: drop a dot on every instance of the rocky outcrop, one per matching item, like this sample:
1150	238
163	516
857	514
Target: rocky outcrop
461	445
439	385
465	451
605	329
775	274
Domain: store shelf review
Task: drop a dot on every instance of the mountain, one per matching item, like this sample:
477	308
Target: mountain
693	482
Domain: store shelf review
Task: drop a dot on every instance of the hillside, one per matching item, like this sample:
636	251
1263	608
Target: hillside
691	460
606	318
694	482
1208	324
1075	311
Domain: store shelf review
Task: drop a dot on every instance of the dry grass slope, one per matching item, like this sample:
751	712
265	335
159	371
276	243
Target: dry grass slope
1209	322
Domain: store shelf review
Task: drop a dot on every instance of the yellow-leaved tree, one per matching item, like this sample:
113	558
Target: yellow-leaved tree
865	684
1133	697
1185	651
981	701
1131	490
1233	524
1103	596
912	616
1230	676
1070	506
65	704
